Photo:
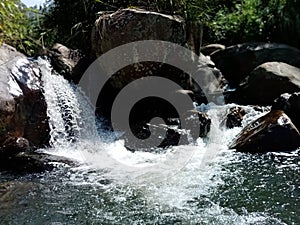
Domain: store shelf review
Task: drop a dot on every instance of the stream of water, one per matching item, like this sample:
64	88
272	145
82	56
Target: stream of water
215	186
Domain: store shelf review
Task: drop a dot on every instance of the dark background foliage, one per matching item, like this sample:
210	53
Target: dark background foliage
229	22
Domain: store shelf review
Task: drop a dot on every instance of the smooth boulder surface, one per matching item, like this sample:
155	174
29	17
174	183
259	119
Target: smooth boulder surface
266	83
290	104
23	117
272	132
236	62
211	48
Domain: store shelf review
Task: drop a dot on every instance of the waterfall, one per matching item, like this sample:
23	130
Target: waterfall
70	115
112	185
74	134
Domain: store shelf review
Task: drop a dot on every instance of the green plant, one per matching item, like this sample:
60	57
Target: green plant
12	22
18	26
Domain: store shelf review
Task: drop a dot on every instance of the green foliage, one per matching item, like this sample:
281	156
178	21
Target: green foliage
257	20
243	22
70	21
18	26
12	22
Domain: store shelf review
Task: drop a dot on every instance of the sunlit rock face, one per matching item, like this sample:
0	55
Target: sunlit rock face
272	132
236	62
23	118
267	82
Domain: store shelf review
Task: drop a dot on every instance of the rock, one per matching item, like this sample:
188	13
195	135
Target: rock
13	145
23	114
68	62
234	117
211	48
129	25
196	118
236	62
169	130
266	82
32	162
290	104
272	132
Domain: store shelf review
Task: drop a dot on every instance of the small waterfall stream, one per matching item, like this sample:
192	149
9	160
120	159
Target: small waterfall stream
215	186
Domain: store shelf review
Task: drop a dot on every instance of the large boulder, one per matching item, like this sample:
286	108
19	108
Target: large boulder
236	62
131	25
272	132
68	62
267	82
290	104
23	117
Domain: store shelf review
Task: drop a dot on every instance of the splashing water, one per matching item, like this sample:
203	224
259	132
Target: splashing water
216	186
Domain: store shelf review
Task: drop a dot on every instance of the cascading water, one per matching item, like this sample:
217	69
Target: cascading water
216	186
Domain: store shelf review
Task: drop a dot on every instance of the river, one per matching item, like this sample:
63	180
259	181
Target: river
214	185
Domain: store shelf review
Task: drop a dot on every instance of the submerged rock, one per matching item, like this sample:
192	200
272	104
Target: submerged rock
266	82
236	62
23	117
13	196
272	132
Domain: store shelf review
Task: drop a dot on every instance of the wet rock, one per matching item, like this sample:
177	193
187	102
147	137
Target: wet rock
197	118
266	82
169	131
22	105
234	117
211	48
13	145
236	62
272	132
32	162
290	104
68	62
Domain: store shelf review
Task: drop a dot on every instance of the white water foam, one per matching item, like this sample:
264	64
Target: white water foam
200	176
